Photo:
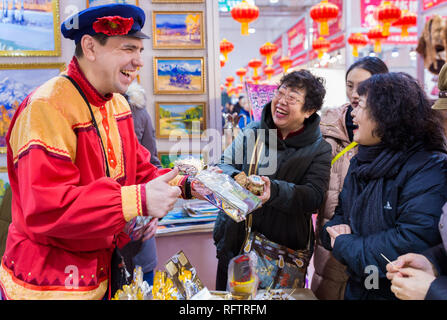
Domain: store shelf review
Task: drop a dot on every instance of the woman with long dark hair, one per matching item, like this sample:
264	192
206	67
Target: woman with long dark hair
396	185
329	278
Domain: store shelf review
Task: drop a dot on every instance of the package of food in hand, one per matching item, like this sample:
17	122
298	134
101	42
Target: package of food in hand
255	185
225	193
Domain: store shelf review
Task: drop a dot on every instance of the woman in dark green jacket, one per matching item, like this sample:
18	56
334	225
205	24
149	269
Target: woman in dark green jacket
295	162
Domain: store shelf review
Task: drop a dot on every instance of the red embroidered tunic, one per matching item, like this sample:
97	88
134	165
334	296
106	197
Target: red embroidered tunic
66	214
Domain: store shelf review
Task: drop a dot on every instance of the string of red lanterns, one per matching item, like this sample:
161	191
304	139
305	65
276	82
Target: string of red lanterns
244	13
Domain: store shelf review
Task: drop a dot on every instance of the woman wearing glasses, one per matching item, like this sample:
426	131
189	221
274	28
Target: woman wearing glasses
294	163
395	187
329	279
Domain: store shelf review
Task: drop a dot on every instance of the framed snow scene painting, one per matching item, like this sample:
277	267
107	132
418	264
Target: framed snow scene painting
16	82
179	75
29	28
177	30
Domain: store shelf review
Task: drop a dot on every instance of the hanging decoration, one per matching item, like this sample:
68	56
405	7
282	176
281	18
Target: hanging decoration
269	71
230	81
376	35
241	72
407	20
387	13
225	48
357	40
255	64
256	79
285	63
322	13
268	50
222	63
245	13
321	45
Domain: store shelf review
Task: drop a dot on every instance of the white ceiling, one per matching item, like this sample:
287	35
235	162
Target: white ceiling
273	20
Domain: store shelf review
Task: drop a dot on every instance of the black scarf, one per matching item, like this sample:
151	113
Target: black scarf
364	197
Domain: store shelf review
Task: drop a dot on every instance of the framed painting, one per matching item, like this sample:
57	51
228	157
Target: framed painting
167	159
180	119
4	182
177	30
174	75
178	1
30	28
91	3
17	81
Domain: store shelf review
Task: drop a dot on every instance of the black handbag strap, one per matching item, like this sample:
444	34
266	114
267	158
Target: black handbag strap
93	119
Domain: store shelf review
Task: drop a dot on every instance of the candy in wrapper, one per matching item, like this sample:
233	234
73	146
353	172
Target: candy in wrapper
163	288
184	275
255	185
225	193
135	227
190	166
138	289
242	278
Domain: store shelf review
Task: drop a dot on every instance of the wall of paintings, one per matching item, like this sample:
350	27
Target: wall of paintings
180	72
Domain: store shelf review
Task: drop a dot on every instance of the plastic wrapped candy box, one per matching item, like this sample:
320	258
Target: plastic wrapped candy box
225	193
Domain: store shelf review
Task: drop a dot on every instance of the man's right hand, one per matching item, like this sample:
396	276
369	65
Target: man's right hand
160	196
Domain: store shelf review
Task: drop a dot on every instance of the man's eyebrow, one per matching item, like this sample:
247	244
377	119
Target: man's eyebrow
132	46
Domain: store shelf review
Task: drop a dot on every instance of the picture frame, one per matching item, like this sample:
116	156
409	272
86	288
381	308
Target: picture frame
177	30
4	182
179	75
32	30
90	3
18	80
167	159
178	1
186	119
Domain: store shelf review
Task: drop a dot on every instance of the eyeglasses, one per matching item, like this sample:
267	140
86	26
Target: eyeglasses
290	99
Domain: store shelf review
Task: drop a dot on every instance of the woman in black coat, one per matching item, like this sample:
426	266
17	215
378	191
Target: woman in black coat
295	163
396	185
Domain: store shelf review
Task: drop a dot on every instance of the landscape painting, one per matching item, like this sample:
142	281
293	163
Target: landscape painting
167	159
16	82
179	75
4	182
180	119
177	30
29	28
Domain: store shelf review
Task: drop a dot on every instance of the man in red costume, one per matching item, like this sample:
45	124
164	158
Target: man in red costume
77	171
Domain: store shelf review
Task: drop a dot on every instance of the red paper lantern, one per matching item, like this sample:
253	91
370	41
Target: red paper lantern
321	45
256	79
245	13
268	50
357	40
387	13
407	20
225	48
222	63
269	71
255	64
376	35
285	62
230	80
241	72
322	13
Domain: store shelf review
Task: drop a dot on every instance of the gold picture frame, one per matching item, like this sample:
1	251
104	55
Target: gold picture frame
179	75
178	1
101	2
180	119
178	30
20	79
29	36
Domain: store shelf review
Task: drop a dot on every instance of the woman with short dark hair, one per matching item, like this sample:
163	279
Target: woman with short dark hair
396	185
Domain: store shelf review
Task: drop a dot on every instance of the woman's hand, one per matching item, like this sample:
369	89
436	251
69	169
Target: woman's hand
265	196
409	260
337	230
413	285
